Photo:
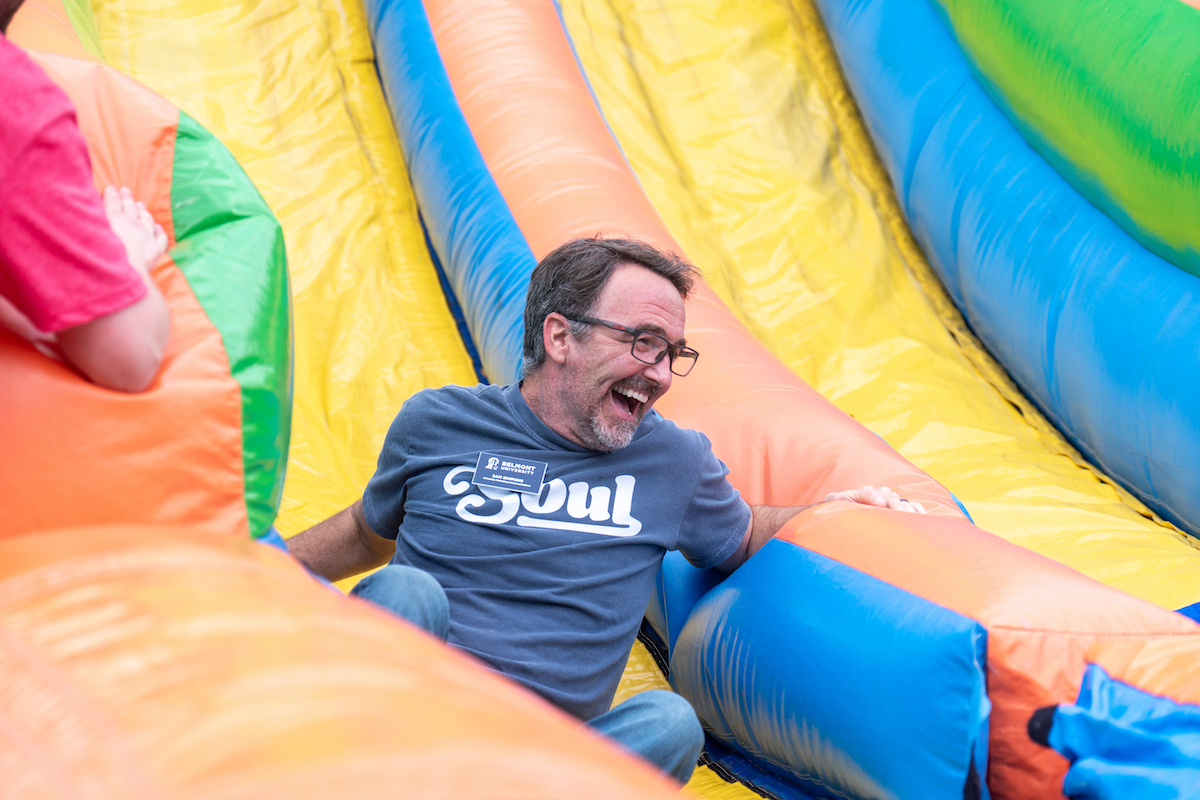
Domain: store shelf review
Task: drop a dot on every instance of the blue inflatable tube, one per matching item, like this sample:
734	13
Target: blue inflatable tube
480	247
773	672
1098	331
822	637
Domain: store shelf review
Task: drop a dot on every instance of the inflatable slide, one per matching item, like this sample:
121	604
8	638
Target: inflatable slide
860	654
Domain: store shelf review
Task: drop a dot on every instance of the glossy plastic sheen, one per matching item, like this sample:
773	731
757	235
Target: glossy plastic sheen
1099	331
677	589
78	454
169	663
738	123
290	87
1110	96
770	672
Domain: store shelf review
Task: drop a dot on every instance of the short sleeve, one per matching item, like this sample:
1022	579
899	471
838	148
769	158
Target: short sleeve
383	499
60	262
716	516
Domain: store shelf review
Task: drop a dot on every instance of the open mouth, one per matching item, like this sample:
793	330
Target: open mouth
629	400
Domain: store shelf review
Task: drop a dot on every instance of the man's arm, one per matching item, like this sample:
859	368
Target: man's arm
342	546
766	521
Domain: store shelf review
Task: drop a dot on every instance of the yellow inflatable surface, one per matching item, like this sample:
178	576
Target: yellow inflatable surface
736	119
289	86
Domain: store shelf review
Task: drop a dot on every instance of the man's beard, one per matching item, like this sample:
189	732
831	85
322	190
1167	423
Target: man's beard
607	438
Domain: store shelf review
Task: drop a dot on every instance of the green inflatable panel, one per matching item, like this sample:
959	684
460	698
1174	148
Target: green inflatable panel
231	251
1109	94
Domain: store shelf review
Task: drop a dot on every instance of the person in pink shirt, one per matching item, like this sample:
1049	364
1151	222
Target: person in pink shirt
74	268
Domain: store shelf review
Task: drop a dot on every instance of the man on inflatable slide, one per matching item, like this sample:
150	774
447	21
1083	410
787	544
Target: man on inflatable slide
526	524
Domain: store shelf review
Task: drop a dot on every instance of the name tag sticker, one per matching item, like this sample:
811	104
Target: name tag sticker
507	472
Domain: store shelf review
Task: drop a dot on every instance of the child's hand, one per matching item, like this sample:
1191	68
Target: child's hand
144	239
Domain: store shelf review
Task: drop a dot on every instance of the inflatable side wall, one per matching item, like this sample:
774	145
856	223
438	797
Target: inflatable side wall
507	149
156	662
1097	330
1108	97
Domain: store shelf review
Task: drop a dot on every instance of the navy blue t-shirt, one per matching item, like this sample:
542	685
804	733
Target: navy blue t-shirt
549	589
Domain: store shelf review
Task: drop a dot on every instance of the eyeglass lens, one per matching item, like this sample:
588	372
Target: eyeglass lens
650	348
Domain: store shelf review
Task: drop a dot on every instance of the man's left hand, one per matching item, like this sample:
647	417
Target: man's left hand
882	497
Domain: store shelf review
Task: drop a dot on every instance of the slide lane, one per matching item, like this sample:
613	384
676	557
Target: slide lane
739	126
290	88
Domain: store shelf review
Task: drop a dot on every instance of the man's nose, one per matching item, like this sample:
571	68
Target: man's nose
660	372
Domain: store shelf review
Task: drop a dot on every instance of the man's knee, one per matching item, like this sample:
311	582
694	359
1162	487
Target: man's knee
676	716
410	593
660	726
671	710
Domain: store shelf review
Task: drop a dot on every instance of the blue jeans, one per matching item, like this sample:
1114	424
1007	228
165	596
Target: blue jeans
410	593
658	725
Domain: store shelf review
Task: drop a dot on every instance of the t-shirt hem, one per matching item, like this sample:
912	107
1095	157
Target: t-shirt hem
731	545
373	522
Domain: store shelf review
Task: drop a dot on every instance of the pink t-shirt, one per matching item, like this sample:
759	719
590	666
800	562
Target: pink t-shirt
60	262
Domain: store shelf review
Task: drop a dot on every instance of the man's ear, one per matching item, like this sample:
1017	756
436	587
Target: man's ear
556	333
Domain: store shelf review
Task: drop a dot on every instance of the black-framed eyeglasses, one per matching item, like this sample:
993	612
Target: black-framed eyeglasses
649	348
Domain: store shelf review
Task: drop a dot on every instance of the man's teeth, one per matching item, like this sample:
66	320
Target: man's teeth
641	398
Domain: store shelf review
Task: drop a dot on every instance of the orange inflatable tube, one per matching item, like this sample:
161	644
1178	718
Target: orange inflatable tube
114	457
155	662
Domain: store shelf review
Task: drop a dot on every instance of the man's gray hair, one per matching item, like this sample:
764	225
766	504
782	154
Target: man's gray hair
569	281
